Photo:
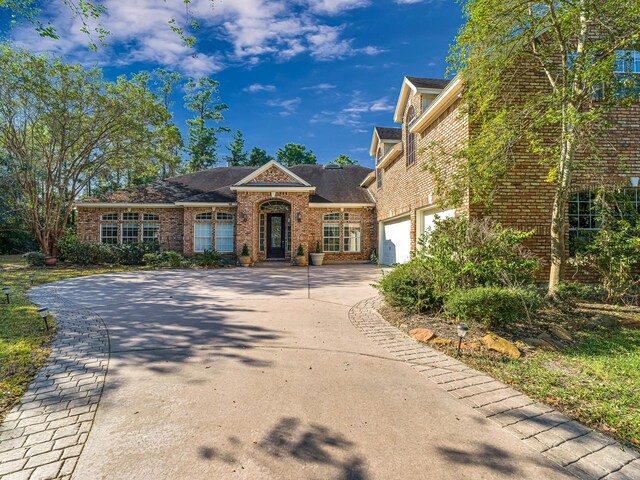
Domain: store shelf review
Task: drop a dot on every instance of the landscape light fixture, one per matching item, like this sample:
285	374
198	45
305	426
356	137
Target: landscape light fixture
44	313
462	332
6	291
634	181
32	278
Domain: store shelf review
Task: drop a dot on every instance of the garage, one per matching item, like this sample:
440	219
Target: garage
426	218
395	245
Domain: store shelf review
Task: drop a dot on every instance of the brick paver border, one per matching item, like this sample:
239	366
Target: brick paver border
583	452
43	435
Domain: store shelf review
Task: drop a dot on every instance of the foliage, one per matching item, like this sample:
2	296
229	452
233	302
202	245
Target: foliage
300	251
467	253
210	258
494	307
575	46
78	125
613	252
344	160
238	155
73	251
294	154
35	259
245	250
568	293
409	287
165	259
318	247
258	157
202	99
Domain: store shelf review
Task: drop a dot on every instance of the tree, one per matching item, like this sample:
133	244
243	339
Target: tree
202	99
62	125
576	44
170	141
238	155
295	154
344	160
258	157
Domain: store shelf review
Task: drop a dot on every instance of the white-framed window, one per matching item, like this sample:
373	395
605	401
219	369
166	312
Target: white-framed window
379	177
107	217
130	232
109	233
204	216
331	232
150	217
150	232
627	61
202	236
262	235
411	138
224	232
352	237
130	217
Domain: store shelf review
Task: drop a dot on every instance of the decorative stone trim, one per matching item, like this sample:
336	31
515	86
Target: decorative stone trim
583	452
43	436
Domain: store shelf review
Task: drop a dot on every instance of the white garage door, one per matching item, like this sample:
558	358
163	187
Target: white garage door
396	241
428	217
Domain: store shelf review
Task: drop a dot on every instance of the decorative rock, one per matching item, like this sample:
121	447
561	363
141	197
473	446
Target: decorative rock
469	346
440	341
541	342
605	321
630	323
560	332
500	345
422	334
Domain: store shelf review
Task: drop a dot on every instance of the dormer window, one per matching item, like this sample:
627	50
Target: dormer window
411	138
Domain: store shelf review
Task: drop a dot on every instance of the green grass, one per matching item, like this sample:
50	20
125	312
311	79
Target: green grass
24	340
596	382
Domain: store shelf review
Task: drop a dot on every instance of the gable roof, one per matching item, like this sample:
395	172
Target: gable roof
272	163
332	185
391	134
416	84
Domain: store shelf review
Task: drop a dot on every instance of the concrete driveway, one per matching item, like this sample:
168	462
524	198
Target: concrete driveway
259	374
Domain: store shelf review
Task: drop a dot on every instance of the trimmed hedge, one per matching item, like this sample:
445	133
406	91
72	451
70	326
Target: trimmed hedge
74	251
408	287
35	259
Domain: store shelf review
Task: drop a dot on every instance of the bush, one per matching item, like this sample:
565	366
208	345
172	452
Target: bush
494	307
211	258
166	259
409	287
35	259
72	250
568	293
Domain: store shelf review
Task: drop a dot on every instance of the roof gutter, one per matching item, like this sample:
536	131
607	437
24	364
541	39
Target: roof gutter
125	205
390	156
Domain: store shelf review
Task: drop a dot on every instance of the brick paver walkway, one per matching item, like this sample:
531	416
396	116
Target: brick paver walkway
42	437
583	452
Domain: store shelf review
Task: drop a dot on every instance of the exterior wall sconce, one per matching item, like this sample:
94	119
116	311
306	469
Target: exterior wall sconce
44	313
299	216
634	181
244	216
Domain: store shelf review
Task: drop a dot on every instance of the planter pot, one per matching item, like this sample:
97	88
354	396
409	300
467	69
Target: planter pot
50	261
301	261
317	259
245	261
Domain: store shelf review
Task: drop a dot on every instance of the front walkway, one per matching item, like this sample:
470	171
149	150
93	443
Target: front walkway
245	373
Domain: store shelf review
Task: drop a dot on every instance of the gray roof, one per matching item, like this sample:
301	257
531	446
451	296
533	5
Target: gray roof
389	133
333	185
420	82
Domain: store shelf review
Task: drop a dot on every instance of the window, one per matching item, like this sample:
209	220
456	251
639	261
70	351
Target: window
128	216
109	233
627	61
150	217
224	232
411	138
331	232
150	232
110	216
380	154
353	217
261	233
204	216
379	177
352	237
202	234
130	232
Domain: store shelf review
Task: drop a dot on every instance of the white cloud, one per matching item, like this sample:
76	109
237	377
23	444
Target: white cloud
257	30
320	86
352	114
257	87
286	107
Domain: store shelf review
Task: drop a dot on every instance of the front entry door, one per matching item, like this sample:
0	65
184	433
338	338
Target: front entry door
275	235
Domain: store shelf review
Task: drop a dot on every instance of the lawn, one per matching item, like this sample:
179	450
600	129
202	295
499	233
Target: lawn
595	378
24	340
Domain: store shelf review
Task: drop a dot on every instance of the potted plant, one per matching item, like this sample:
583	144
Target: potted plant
301	259
245	258
317	257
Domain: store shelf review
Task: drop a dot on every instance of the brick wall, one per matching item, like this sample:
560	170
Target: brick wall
189	216
273	174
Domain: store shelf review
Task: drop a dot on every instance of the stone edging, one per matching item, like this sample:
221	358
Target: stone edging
43	435
583	452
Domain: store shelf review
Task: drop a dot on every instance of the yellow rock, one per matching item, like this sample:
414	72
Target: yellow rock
422	334
500	345
440	341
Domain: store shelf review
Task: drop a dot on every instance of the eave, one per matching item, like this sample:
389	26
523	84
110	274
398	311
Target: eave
449	95
391	155
368	179
274	188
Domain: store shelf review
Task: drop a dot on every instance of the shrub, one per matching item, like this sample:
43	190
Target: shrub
166	259
245	250
300	251
409	287
211	258
492	306
35	259
568	293
468	253
72	250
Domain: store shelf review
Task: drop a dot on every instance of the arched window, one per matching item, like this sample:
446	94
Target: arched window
411	138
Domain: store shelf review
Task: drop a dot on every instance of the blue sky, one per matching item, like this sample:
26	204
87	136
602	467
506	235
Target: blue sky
317	72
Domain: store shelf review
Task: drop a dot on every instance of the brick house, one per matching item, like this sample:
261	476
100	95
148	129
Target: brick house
271	209
429	113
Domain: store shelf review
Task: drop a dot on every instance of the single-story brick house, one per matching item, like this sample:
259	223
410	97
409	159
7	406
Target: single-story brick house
272	209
